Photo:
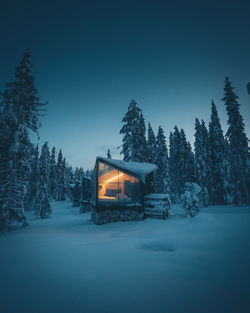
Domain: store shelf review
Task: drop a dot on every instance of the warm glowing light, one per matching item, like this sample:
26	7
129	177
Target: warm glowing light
113	178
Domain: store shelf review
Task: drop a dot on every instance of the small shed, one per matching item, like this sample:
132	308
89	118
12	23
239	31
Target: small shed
86	194
119	189
76	193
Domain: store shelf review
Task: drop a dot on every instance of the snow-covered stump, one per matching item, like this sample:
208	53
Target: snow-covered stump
157	205
100	217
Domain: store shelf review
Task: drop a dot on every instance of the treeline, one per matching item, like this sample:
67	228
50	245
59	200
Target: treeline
50	179
28	179
219	164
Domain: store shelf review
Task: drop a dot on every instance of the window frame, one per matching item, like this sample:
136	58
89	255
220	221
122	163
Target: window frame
117	203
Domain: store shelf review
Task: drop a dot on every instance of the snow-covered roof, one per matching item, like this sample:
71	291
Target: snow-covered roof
138	169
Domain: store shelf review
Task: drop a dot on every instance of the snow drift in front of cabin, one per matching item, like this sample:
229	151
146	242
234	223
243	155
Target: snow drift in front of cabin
68	264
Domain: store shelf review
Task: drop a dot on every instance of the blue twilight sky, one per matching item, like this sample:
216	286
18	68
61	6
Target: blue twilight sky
91	58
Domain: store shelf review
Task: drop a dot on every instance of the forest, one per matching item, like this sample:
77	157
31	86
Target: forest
32	176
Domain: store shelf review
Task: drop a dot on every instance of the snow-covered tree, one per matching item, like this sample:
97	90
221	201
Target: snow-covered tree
202	160
14	166
21	95
151	145
190	200
69	174
161	160
78	174
238	146
186	160
61	177
53	174
133	131
139	146
12	187
181	162
33	179
42	201
21	109
221	188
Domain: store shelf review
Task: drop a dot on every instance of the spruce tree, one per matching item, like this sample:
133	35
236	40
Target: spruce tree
69	179
78	174
53	175
151	145
181	162
221	189
139	146
21	95
174	144
185	162
61	177
42	201
238	146
202	160
133	131
33	179
161	160
21	110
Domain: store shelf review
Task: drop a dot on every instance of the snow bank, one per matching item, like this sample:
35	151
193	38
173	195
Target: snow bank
69	264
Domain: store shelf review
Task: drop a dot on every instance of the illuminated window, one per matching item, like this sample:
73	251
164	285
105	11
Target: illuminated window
117	187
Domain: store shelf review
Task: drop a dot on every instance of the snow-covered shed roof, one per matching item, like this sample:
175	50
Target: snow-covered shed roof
136	168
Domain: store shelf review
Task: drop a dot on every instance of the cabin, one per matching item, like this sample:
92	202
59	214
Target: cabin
119	190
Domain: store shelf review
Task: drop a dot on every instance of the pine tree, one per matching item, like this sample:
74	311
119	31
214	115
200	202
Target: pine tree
12	189
53	175
5	165
79	174
161	160
61	177
151	145
238	146
139	146
33	179
21	95
69	177
202	160
181	162
186	162
133	131
174	143
42	201
221	189
21	109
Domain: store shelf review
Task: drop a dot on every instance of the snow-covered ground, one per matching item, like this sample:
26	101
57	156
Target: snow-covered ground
67	264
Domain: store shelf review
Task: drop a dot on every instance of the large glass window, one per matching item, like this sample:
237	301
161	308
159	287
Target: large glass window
117	187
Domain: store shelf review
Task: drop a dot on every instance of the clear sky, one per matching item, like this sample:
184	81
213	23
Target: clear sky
91	58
